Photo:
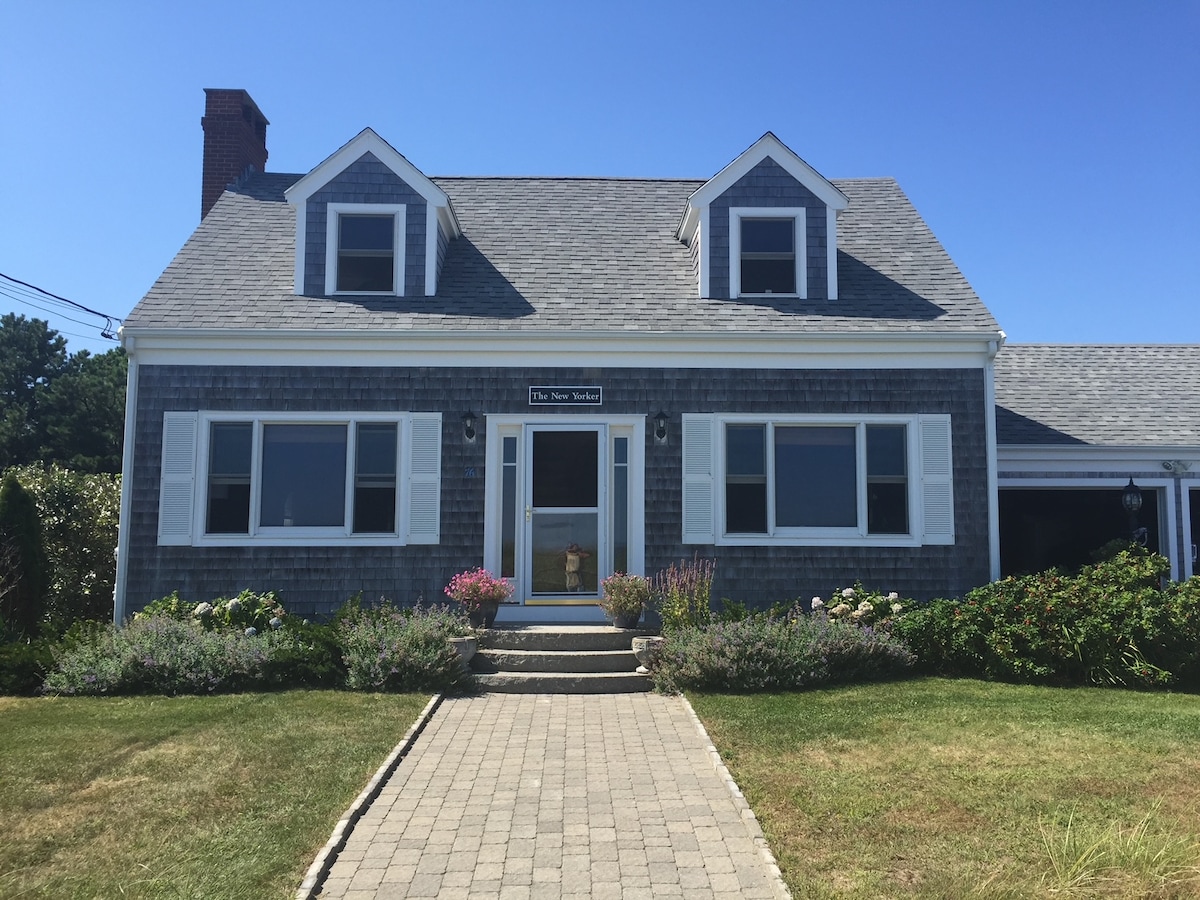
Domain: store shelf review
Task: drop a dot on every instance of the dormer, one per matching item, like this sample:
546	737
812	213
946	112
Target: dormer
765	226
369	223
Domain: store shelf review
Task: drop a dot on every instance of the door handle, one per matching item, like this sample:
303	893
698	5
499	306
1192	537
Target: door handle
528	513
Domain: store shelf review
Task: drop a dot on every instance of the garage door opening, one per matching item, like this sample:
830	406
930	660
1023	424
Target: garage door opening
1044	527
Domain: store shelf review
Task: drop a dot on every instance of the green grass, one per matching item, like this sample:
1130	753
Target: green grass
188	797
953	789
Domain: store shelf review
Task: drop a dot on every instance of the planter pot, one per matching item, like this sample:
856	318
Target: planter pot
484	615
646	649
465	647
627	620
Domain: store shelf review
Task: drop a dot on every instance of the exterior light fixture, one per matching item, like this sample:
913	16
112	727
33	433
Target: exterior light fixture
660	428
1131	499
469	427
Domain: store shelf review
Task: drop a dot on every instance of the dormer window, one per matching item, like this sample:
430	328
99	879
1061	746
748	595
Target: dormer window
768	256
364	249
766	251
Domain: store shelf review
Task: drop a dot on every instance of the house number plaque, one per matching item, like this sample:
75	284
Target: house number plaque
566	396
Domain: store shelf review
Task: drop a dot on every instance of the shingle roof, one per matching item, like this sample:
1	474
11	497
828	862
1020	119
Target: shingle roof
1103	394
563	254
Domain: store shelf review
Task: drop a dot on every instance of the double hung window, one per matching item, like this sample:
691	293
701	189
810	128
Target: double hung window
365	249
767	251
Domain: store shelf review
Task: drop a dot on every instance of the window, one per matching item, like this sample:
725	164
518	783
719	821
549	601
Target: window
768	259
817	480
276	478
782	476
364	249
767	251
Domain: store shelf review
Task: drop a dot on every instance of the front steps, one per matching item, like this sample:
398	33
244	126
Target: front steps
558	659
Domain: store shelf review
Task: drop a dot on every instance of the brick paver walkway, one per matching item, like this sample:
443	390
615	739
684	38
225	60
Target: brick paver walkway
555	796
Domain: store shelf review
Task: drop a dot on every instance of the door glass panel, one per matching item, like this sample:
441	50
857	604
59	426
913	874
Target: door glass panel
564	469
620	504
564	553
508	510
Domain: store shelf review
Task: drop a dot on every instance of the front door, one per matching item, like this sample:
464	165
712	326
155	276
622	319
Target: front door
566	548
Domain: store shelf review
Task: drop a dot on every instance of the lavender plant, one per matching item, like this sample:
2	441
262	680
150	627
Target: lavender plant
684	593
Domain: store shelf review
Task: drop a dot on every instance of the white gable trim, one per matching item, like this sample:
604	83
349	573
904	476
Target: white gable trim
367	141
766	146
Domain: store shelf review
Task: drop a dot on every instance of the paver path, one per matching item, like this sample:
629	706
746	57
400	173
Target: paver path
547	796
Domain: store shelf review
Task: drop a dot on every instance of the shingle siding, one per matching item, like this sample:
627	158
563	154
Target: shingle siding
315	580
768	184
366	181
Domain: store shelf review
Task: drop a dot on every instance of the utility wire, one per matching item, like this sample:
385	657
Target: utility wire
24	295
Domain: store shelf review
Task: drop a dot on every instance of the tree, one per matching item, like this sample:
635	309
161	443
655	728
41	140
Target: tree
31	356
82	413
23	576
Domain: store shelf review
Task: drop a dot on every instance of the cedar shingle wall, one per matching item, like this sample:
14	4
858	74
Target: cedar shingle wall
316	580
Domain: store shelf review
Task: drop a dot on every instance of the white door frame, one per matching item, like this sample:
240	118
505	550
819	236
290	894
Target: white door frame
632	428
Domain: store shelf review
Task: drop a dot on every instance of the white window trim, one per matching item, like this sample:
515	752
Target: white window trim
273	536
797	213
332	214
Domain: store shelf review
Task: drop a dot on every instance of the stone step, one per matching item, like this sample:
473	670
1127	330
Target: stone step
560	638
491	660
562	682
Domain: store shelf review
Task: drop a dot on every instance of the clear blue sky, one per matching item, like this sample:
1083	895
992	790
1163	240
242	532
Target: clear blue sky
1053	147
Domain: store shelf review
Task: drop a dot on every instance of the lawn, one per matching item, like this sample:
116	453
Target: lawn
187	797
955	789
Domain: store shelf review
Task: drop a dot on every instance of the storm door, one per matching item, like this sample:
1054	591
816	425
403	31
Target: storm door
565	530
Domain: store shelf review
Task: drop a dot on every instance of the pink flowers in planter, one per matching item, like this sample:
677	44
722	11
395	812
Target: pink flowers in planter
476	587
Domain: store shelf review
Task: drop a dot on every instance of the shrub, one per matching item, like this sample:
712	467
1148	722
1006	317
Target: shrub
391	649
78	514
22	559
1112	623
24	664
247	610
683	593
159	654
624	594
763	652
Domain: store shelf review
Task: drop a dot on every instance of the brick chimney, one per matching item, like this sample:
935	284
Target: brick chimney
235	138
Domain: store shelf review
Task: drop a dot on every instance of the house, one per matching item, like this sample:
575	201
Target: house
364	379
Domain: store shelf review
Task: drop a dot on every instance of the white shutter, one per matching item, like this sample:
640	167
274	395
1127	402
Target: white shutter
425	478
937	480
177	486
699	462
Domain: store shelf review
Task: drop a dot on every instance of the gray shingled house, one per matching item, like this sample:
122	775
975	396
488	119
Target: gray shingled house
363	378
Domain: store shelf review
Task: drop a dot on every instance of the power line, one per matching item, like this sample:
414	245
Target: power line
24	288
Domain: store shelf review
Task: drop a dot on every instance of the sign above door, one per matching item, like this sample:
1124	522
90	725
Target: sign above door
542	395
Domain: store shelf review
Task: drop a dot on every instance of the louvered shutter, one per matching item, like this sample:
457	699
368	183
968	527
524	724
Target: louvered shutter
177	486
425	478
699	461
937	480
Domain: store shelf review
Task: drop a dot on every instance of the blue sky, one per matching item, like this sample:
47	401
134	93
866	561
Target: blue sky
1051	146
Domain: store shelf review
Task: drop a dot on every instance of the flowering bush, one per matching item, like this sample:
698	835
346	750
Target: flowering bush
262	612
764	652
390	649
684	593
1112	623
862	607
624	594
159	654
475	587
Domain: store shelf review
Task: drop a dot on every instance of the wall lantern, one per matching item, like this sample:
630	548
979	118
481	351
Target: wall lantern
1131	498
469	427
660	428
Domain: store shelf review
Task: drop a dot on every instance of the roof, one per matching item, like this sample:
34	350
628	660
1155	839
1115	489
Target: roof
583	254
1116	395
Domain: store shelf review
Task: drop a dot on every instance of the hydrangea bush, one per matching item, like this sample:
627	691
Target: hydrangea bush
248	610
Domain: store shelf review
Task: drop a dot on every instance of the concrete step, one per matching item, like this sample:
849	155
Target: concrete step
560	638
562	682
492	660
